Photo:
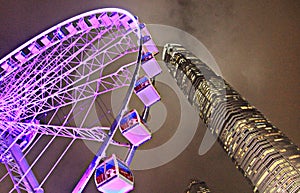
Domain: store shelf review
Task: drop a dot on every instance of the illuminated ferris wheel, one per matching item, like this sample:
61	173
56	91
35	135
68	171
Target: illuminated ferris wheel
49	85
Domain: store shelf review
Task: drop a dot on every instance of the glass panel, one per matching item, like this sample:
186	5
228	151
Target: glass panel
125	171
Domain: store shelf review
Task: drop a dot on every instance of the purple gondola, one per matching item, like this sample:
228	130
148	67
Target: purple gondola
133	128
148	43
113	176
146	91
150	65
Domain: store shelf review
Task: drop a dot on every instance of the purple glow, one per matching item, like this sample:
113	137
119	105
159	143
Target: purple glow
151	67
62	68
113	176
148	43
134	129
146	91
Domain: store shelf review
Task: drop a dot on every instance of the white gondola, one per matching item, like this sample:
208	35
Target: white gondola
113	176
133	128
150	65
146	91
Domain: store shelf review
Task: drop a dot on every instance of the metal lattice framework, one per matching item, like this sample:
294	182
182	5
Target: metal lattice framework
61	73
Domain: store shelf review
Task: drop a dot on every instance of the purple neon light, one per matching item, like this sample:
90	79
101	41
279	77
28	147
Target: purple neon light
113	176
55	71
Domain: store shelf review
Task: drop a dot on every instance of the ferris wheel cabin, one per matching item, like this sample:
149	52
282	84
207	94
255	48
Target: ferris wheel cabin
150	65
133	128
113	176
146	91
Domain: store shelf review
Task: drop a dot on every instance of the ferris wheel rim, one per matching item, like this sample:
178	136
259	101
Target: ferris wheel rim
97	11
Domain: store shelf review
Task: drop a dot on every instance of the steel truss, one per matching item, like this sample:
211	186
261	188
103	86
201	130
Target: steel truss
52	76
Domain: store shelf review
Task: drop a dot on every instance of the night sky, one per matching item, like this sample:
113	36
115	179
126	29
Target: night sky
256	45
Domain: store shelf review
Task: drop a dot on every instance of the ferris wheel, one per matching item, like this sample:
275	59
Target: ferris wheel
49	85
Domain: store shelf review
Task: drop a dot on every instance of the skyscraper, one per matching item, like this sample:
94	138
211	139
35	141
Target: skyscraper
260	151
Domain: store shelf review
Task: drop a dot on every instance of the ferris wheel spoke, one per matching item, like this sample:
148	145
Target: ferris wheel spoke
56	85
13	173
80	50
108	83
92	134
40	64
52	89
55	64
19	169
69	45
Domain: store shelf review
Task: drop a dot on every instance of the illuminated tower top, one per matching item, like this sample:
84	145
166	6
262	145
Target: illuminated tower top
260	150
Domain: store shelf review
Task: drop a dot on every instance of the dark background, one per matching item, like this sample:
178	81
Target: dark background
255	43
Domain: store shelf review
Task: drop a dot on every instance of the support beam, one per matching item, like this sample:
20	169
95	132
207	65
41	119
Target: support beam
25	171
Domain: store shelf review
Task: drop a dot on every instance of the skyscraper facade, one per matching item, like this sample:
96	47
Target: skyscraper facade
260	151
